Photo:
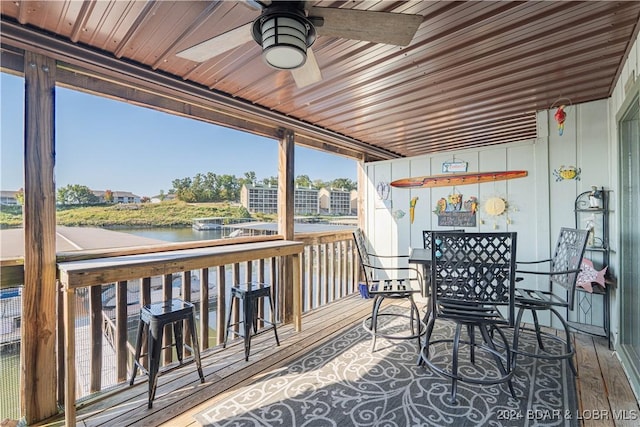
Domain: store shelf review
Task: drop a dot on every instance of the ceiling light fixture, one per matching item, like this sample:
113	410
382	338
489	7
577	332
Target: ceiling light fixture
284	36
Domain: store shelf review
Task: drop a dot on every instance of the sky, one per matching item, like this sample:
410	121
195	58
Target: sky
106	144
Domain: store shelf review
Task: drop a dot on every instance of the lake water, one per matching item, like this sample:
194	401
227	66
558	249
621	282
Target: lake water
172	234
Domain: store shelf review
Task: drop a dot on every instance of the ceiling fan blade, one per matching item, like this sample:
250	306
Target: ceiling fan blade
309	73
218	45
378	27
254	4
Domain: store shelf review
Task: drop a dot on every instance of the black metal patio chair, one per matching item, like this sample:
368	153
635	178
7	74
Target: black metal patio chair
472	285
389	282
563	275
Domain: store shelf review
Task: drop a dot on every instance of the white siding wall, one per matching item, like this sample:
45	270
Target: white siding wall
539	205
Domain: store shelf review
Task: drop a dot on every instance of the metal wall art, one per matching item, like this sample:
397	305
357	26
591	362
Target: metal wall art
566	173
497	208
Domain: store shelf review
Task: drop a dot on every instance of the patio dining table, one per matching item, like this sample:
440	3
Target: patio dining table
422	257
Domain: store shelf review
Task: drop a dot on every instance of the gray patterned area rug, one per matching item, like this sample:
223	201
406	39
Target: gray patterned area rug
343	383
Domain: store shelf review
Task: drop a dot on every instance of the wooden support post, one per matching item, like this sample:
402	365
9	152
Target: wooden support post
286	193
38	379
362	183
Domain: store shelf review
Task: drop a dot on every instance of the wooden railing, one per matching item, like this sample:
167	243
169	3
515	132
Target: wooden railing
106	311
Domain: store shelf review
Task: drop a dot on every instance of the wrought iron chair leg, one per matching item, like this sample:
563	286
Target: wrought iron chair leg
414	309
374	320
507	372
424	351
472	340
534	312
568	345
454	365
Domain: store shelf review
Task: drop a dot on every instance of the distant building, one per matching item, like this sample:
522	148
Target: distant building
305	201
335	202
259	198
264	199
354	202
8	198
118	196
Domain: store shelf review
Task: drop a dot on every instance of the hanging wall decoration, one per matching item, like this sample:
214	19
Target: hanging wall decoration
412	208
567	172
398	214
453	212
451	179
497	208
454	166
560	115
589	275
383	190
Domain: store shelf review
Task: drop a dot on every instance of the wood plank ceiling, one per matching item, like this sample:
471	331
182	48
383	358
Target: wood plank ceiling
474	74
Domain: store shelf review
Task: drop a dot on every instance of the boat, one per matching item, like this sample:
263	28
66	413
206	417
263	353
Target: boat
451	179
202	224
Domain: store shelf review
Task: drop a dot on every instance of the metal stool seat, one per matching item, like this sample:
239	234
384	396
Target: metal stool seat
248	294
153	318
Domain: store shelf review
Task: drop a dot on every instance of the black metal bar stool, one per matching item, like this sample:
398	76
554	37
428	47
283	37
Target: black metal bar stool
153	318
248	295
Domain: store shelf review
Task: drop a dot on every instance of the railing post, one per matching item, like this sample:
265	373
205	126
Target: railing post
222	304
204	308
186	296
95	321
167	294
121	331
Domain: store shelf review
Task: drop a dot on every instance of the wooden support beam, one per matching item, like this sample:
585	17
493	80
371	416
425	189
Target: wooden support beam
286	188
37	377
286	192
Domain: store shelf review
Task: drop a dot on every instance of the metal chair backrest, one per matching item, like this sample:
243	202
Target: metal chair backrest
474	269
567	260
426	236
363	254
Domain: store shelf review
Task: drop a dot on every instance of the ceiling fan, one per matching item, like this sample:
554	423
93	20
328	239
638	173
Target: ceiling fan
286	30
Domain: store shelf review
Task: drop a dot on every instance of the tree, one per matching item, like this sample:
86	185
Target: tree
272	180
229	188
303	181
343	183
318	184
76	194
249	178
108	196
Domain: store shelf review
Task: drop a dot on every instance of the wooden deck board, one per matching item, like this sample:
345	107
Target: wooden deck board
602	385
624	407
589	383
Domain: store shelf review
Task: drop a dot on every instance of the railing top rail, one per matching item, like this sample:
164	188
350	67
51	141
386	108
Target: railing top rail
316	238
91	272
161	247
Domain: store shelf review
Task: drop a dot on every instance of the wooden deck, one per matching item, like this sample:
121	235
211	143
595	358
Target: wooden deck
605	395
